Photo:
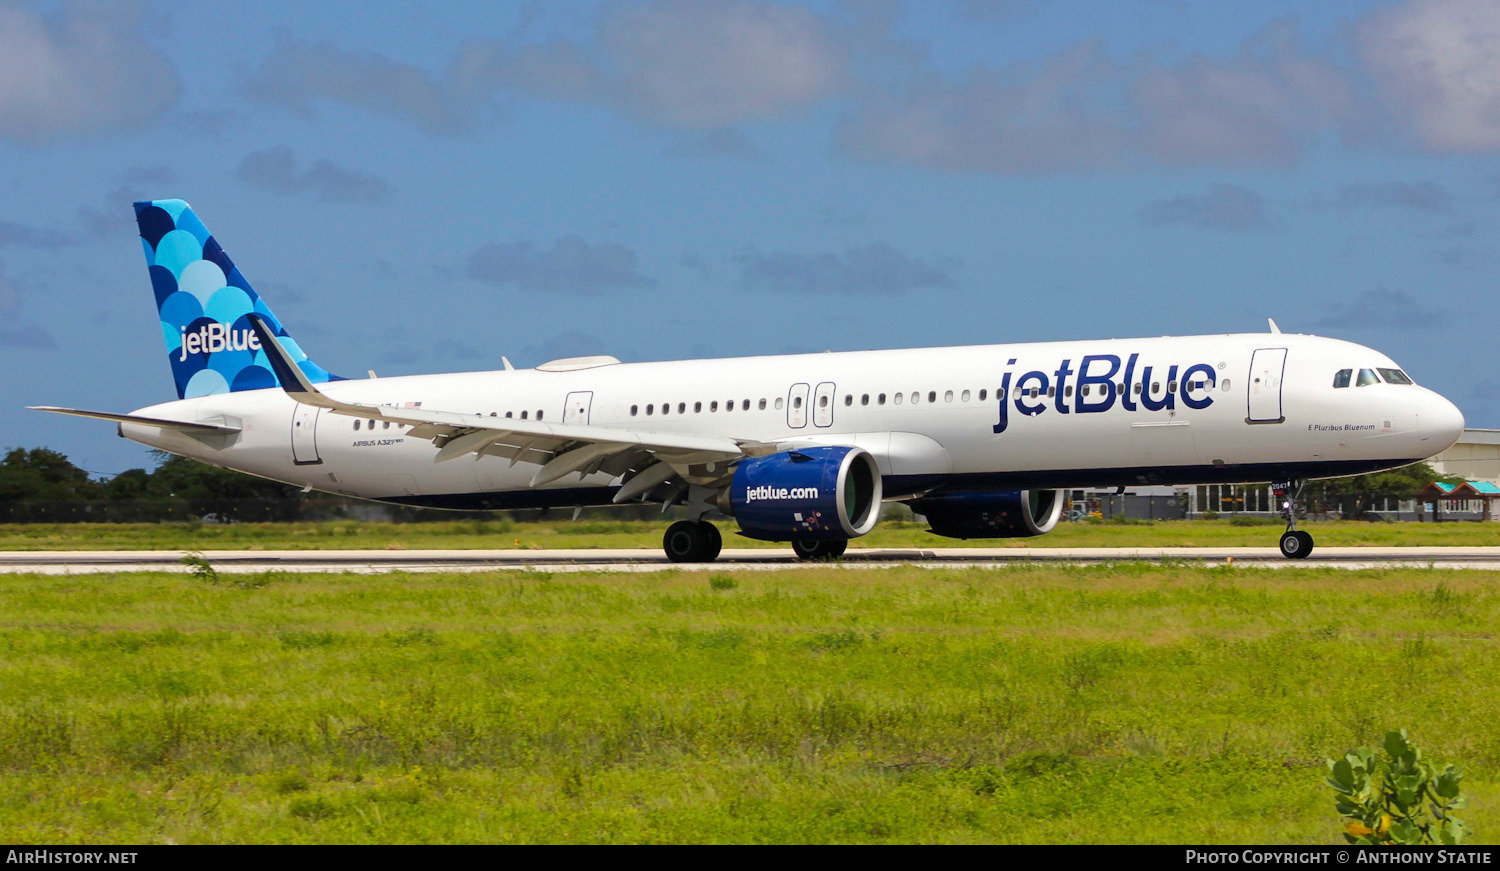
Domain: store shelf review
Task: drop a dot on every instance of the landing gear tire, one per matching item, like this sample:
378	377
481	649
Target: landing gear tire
1296	544
714	541
820	550
688	541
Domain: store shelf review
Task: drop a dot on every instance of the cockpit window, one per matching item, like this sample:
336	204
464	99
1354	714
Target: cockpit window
1367	377
1395	376
1341	377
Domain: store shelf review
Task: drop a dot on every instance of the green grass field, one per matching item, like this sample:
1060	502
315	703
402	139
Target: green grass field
497	534
1119	703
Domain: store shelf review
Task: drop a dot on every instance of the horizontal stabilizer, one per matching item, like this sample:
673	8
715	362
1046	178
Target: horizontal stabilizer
183	425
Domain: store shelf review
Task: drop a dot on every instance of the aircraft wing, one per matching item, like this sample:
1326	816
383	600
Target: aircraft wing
560	449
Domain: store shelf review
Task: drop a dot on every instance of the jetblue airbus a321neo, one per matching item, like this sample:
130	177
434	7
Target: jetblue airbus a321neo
801	448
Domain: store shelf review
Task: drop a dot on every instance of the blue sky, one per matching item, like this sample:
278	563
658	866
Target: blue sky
426	187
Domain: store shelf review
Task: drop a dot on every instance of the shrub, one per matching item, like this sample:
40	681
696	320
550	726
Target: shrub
1388	801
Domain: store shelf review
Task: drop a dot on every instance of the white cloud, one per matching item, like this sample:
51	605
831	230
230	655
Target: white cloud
86	69
1437	63
701	64
1080	109
686	64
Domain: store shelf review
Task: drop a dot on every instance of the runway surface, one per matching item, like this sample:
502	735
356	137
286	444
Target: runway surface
643	560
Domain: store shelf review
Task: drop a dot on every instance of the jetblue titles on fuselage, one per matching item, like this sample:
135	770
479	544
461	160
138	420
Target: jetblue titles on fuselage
1098	382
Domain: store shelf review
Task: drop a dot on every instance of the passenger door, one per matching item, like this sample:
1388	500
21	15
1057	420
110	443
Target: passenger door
1266	369
305	435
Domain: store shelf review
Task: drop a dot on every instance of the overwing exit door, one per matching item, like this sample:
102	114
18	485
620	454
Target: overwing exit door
576	408
823	404
796	406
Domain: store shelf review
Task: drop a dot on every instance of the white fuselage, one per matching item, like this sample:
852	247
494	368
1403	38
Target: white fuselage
1210	409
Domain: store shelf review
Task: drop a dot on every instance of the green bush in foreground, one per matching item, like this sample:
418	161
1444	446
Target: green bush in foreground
1396	811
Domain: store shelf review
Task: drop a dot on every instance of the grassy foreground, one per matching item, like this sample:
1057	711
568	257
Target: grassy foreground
504	534
1116	703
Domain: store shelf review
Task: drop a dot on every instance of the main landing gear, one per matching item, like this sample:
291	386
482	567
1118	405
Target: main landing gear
1295	544
698	541
692	541
820	550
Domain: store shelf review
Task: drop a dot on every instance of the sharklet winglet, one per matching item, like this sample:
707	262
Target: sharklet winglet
293	380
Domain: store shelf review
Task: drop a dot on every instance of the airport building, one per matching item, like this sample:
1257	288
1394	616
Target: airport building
1475	458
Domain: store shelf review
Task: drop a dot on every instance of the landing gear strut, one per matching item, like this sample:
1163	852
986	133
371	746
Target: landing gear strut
1295	544
692	541
820	550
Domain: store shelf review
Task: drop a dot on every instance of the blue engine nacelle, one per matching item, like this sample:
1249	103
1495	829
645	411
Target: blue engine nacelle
1013	514
809	494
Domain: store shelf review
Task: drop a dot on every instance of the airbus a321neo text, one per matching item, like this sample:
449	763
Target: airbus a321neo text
803	449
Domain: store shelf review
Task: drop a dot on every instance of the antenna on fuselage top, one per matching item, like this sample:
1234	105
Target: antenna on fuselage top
1274	329
508	367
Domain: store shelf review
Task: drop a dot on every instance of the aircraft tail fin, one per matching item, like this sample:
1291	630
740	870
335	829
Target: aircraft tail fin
203	300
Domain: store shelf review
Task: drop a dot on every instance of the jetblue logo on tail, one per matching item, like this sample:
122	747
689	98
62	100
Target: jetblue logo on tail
212	338
203	301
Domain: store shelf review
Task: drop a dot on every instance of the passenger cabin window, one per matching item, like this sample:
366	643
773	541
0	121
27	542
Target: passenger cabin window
714	406
648	410
864	399
948	396
899	398
356	425
762	405
880	400
778	403
697	408
539	414
745	406
982	395
523	415
1394	376
1367	377
848	399
634	409
797	402
1342	377
932	396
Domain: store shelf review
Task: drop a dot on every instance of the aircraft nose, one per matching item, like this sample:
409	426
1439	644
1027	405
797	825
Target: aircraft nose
1440	422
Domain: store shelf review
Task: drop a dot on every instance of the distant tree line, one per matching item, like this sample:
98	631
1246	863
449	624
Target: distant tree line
39	485
42	485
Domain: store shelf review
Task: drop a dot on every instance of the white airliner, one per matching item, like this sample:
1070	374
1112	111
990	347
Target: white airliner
801	448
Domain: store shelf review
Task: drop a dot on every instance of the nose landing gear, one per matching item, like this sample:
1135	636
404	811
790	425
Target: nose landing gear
1295	544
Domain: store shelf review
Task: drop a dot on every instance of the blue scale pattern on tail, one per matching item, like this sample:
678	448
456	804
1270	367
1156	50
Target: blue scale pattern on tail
202	300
